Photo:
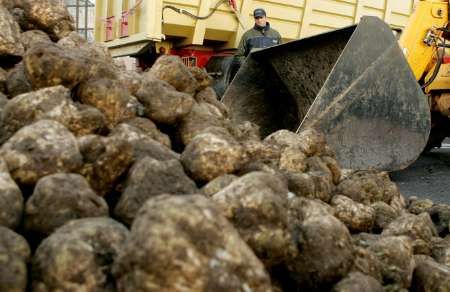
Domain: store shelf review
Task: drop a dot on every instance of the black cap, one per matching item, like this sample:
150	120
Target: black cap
259	12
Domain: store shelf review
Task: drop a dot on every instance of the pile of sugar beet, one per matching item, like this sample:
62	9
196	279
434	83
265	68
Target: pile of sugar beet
117	181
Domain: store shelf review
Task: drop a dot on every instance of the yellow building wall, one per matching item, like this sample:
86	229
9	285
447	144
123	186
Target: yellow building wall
292	18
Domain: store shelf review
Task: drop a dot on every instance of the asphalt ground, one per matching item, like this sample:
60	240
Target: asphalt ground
428	177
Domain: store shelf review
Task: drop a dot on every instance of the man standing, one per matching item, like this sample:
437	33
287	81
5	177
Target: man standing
260	36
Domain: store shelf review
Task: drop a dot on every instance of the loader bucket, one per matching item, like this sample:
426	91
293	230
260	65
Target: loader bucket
353	84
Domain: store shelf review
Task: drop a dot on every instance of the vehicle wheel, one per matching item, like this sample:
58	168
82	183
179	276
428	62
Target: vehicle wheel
223	69
440	129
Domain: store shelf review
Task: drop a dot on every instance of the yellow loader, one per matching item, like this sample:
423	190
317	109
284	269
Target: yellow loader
376	99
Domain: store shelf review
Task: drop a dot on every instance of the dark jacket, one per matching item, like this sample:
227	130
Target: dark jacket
258	37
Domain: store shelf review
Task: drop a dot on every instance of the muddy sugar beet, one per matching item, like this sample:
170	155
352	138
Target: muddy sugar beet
112	180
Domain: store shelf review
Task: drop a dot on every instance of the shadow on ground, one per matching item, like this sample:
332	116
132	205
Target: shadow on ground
428	177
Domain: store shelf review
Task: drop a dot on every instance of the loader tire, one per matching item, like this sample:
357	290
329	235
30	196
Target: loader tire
440	130
223	69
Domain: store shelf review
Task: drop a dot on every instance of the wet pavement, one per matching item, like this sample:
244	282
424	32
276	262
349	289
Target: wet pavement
428	177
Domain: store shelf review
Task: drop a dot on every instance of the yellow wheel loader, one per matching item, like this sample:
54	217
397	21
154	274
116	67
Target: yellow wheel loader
377	99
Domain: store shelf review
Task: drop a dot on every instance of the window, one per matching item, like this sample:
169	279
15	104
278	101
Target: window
83	12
